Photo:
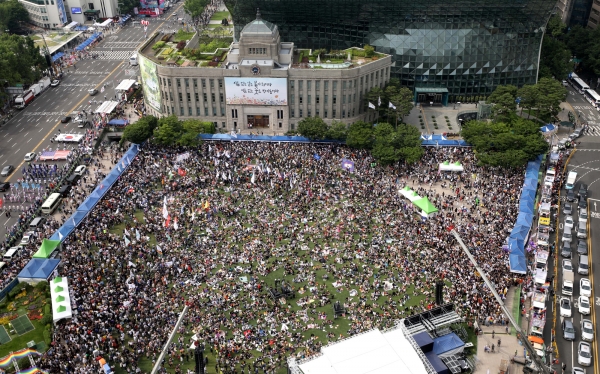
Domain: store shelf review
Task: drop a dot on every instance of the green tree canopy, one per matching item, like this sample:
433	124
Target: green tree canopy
550	94
505	144
141	130
13	16
313	128
337	131
195	8
20	60
402	143
555	27
360	135
554	60
168	131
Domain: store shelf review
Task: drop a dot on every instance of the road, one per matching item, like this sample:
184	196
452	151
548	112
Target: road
32	129
586	162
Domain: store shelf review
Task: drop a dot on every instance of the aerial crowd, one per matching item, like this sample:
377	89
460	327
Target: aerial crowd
214	227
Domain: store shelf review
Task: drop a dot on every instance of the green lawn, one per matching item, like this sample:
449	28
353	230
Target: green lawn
218	16
181	35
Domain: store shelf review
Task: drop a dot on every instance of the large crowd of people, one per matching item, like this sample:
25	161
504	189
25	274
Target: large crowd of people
213	227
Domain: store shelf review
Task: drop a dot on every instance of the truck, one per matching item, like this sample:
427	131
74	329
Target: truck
22	100
567	284
36	89
44	83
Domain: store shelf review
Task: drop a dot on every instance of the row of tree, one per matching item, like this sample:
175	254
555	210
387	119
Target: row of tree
20	61
400	97
13	16
167	130
388	144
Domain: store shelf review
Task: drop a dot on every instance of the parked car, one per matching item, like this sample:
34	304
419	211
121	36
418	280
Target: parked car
582	192
27	237
587	330
584	354
585	287
583	214
568	208
55	83
566	251
565	307
583	304
575	134
582	204
582	248
568	330
578	370
582	232
569	220
570	195
567	265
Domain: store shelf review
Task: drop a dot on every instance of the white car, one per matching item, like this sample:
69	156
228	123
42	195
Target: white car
584	354
27	237
565	307
80	170
584	305
578	370
585	287
567	265
30	156
587	330
569	222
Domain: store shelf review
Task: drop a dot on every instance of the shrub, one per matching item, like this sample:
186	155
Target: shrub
46	319
180	45
158	45
446	117
47	337
15	291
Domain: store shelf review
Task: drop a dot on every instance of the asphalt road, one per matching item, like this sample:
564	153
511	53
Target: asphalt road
32	128
586	162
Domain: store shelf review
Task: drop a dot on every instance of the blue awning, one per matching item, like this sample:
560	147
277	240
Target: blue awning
57	56
118	122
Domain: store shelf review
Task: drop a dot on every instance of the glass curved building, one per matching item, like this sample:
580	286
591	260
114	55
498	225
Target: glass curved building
467	47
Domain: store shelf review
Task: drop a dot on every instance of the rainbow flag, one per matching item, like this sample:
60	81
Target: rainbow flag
6	361
32	371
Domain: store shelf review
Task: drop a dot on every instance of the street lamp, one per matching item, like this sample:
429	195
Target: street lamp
47	56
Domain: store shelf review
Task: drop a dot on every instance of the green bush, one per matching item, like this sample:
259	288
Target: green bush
46	319
47	337
358	53
16	290
158	45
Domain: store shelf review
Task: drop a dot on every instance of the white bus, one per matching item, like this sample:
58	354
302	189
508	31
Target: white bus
571	180
51	203
580	85
133	60
592	96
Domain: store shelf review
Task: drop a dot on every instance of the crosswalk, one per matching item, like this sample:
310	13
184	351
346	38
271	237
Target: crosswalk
128	45
114	55
592	131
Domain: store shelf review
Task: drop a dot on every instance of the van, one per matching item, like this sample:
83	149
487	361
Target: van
133	60
571	178
51	203
64	190
584	265
2	265
8	256
37	222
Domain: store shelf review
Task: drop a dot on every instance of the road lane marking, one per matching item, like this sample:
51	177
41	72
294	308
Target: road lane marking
29	140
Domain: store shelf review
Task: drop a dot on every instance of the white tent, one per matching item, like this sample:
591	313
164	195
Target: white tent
125	84
71	25
107	107
61	302
409	194
455	166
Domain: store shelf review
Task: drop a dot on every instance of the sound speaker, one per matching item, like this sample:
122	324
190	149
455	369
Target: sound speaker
439	292
199	358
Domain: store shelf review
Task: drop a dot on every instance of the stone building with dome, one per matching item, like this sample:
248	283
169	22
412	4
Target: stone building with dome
263	84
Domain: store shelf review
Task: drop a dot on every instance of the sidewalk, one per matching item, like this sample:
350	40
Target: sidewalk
439	113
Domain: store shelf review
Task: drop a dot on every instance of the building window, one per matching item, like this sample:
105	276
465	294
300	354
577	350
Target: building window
212	83
223	124
180	97
169	81
317	85
317	99
309	100
334	100
234	113
353	112
198	111
204	97
222	111
214	111
292	99
168	110
205	111
308	84
221	97
190	111
195	82
326	85
326	99
220	83
187	82
300	85
299	99
203	83
181	111
334	113
257	51
343	99
197	97
280	124
292	85
292	126
189	97
292	114
178	82
343	113
212	97
317	113
344	85
300	112
334	85
171	95
308	112
235	125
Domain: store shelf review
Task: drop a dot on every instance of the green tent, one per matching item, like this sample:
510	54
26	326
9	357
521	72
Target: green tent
57	280
425	205
60	298
46	249
61	308
58	289
406	188
446	162
457	163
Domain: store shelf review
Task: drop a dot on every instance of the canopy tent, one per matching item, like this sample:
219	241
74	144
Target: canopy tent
525	219
61	301
525	206
71	25
520	232
107	107
448	345
518	263
125	84
118	122
549	129
516	246
47	248
409	194
96	195
455	166
88	41
103	24
57	56
425	205
38	269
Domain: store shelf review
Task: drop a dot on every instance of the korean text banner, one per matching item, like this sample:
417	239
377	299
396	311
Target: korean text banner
150	82
256	91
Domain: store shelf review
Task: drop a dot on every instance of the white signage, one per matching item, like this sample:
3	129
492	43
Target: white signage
256	91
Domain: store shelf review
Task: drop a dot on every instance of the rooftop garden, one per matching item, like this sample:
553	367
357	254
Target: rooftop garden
209	52
365	55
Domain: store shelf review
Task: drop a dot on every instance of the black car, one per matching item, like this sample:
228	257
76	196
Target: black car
582	203
568	208
582	193
4	186
570	195
65	119
566	250
582	247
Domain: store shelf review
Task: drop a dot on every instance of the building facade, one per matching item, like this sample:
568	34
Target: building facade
54	14
263	85
466	46
594	18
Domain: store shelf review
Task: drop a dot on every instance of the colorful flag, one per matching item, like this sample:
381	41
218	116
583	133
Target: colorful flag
175	225
165	211
181	172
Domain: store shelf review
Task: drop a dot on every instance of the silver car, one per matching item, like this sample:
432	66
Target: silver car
584	354
587	330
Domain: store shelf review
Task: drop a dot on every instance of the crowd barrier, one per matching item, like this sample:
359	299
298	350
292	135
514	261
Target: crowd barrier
518	236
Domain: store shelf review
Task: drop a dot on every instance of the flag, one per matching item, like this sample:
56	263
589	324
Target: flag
165	211
317	157
168	221
392	105
131	264
127	241
193	216
253	177
158	249
137	234
379	101
371	105
181	172
126	232
175	225
102	89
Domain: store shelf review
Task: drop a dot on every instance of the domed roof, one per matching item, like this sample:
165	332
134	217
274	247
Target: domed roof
259	26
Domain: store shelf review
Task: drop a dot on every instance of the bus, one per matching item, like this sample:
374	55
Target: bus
580	85
570	180
592	96
573	76
51	203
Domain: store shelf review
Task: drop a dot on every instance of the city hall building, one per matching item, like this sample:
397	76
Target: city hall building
263	84
467	47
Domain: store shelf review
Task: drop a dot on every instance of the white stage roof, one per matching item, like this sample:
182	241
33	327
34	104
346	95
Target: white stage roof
107	107
368	353
125	85
61	302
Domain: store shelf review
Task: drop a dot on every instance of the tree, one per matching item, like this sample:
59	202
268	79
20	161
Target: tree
500	91
383	149
196	126
313	128
408	143
13	16
369	50
578	41
529	97
360	135
550	94
554	60
403	101
126	6
337	131
555	27
503	105
195	8
20	60
168	131
141	130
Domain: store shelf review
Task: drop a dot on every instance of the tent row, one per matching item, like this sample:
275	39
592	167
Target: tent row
88	41
519	234
423	203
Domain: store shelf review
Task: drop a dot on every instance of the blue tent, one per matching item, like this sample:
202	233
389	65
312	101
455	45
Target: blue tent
525	219
518	263
525	206
118	122
57	56
520	232
530	184
448	344
529	195
516	246
38	268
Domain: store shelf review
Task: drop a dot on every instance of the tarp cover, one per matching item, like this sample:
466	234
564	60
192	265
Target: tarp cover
107	107
61	302
38	269
448	345
48	246
425	205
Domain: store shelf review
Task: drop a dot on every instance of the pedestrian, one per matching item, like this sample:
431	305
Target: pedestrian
499	341
493	334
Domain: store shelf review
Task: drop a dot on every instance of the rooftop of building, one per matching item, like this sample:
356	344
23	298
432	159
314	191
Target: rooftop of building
259	27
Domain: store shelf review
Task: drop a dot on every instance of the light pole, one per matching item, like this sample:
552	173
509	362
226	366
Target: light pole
47	56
